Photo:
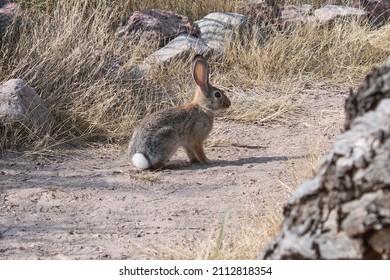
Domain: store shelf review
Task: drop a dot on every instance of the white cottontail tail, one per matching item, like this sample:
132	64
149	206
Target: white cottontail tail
160	134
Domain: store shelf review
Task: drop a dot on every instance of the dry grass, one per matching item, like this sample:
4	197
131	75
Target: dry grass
67	50
319	139
234	237
342	53
261	106
305	168
194	9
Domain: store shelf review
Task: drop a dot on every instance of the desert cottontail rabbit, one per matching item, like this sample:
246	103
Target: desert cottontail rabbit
160	134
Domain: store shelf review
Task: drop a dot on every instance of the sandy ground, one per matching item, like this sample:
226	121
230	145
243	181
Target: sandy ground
94	205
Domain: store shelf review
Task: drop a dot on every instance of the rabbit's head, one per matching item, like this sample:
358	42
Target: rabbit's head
209	98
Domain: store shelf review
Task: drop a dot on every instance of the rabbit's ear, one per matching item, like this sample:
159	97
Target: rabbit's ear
200	72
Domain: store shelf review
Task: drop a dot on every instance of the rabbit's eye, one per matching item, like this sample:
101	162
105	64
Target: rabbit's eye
217	94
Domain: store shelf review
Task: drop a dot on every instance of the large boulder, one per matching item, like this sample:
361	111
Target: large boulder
218	30
156	27
344	211
330	13
180	48
293	16
261	12
20	103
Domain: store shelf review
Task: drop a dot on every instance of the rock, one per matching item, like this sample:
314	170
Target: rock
332	12
156	27
261	12
378	12
7	15
20	103
344	212
180	48
217	30
295	15
376	86
292	11
9	8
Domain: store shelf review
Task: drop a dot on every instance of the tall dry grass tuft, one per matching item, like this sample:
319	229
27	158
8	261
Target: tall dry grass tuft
68	51
341	53
69	55
265	75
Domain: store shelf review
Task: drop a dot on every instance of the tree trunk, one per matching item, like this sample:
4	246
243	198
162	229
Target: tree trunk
344	212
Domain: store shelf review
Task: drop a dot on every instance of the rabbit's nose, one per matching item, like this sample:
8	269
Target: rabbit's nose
227	103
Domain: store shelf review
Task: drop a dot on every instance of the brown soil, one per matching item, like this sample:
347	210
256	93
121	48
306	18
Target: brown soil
94	205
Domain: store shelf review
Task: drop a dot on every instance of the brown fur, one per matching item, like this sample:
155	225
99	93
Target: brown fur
159	135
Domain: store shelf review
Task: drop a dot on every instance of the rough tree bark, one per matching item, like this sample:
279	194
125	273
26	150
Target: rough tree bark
344	212
375	88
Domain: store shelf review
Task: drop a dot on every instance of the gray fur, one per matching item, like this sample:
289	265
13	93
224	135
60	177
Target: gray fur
159	135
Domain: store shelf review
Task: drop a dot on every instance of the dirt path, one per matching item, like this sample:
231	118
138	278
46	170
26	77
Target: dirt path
94	205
